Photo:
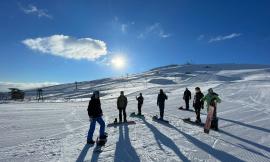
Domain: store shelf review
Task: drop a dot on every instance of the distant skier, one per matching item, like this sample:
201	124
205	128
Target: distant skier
121	106
95	114
198	104
161	102
187	97
140	103
211	99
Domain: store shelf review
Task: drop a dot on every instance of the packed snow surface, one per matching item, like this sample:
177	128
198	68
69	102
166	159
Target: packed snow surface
56	129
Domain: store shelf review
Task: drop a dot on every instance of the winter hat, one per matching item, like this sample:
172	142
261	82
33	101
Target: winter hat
210	90
96	93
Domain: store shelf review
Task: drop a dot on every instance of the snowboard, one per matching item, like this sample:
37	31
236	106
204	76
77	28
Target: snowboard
208	121
156	118
182	108
115	124
133	114
100	143
189	121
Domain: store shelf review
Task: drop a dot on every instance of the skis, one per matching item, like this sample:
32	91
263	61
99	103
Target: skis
115	124
157	119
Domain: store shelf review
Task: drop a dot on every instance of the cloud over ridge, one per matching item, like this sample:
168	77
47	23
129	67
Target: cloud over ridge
68	47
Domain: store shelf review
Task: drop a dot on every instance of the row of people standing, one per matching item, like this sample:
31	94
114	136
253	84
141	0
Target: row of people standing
95	112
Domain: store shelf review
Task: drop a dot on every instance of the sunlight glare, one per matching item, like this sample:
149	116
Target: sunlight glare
118	62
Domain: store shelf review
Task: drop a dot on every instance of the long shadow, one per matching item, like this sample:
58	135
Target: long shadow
247	125
95	155
162	139
246	141
83	153
241	123
124	151
218	154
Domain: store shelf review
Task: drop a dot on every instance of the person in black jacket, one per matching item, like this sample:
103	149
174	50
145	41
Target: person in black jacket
140	103
95	115
121	106
198	104
187	97
161	102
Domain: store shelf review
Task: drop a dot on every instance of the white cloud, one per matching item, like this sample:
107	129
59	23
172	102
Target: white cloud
226	37
31	9
124	28
68	47
154	29
4	86
200	37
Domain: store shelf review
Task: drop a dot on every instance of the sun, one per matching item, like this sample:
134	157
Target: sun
118	62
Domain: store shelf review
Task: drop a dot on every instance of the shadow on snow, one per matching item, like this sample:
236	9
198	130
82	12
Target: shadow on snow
162	139
124	151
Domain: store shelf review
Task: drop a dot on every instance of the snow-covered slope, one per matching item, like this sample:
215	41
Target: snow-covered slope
55	130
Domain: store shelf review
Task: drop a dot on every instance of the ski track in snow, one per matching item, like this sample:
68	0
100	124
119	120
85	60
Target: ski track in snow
56	131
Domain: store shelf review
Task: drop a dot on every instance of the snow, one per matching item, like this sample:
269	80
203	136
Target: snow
56	129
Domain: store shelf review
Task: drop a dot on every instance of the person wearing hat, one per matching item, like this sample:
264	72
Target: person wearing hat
140	103
95	114
211	98
161	102
121	106
198	104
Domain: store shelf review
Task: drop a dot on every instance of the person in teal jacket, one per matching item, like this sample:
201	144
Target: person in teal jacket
210	97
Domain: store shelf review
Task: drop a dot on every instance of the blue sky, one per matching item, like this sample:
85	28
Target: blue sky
64	41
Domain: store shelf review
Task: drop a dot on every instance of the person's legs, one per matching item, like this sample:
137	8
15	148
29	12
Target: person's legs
215	112
139	109
91	129
125	114
187	104
102	126
196	112
120	115
199	114
161	109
